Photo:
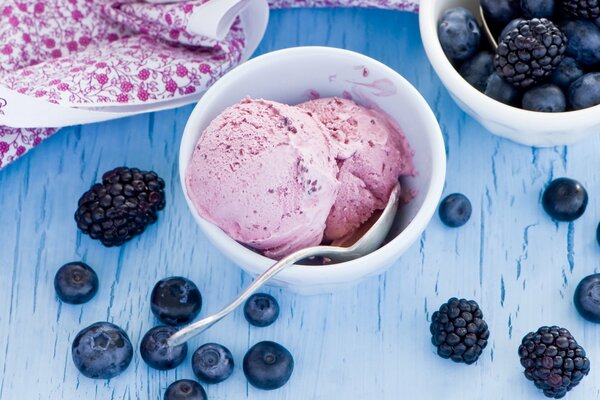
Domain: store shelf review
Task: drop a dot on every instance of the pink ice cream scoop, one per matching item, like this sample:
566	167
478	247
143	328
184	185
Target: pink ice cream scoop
372	154
266	174
280	178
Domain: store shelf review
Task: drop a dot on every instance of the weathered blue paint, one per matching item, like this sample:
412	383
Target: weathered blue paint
369	342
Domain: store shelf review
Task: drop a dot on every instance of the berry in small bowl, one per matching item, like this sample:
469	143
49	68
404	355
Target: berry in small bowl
544	89
459	34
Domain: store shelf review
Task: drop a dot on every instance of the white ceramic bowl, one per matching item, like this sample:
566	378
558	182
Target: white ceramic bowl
292	76
526	127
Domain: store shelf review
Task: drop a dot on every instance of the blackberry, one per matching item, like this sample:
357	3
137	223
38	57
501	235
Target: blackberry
122	206
588	9
530	52
553	360
509	27
459	331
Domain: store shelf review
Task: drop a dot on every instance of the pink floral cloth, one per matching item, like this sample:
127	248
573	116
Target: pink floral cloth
115	52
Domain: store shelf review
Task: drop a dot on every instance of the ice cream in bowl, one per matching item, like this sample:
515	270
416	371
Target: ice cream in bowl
300	147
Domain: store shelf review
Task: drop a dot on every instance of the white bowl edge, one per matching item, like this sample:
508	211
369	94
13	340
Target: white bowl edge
301	278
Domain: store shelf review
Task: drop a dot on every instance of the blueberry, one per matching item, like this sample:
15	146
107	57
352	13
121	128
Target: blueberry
185	389
261	309
175	300
459	34
537	8
545	98
585	91
500	12
509	27
478	69
502	91
583	42
268	365
565	199
566	73
212	363
102	351
76	283
157	353
455	210
587	298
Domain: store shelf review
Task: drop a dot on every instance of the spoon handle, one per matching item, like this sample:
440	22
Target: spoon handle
198	327
486	30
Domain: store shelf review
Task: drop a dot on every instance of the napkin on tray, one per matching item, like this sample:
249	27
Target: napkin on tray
67	62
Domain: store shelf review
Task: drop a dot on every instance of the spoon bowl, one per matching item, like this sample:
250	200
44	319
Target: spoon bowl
365	240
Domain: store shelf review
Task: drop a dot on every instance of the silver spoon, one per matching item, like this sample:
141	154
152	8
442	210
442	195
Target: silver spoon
366	240
487	30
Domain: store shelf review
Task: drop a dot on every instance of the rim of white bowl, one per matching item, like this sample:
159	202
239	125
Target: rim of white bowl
409	234
492	109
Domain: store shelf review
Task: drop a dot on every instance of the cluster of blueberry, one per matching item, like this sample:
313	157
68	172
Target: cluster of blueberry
551	357
104	350
547	57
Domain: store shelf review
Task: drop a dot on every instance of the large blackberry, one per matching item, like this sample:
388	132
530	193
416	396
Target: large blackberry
530	52
121	206
553	360
459	331
589	9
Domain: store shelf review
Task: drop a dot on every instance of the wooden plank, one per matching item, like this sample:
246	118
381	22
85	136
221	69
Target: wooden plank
368	342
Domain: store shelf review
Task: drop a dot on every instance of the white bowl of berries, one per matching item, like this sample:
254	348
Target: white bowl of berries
541	86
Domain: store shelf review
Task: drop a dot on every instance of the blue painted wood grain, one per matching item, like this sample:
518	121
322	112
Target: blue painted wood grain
369	342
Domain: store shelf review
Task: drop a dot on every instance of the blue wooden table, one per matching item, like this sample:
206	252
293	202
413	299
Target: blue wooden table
369	342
